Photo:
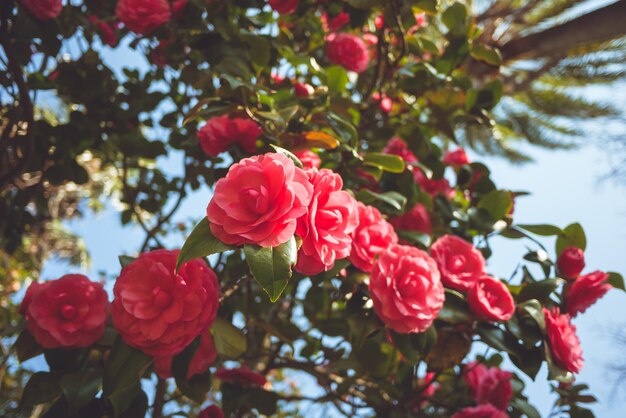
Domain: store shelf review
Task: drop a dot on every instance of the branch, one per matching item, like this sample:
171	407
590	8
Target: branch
600	25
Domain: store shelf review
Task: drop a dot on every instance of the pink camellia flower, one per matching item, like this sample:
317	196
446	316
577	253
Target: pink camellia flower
259	201
303	89
571	262
481	411
456	158
490	299
308	158
406	289
397	146
563	341
42	9
325	230
433	187
143	16
159	311
68	312
205	355
349	51
586	291
489	385
211	411
460	263
221	132
105	30
242	376
417	219
339	21
284	7
371	237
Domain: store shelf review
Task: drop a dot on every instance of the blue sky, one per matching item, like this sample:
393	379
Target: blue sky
565	188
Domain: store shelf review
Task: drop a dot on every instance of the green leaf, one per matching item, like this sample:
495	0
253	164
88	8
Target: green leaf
287	154
80	387
497	202
198	386
42	387
343	128
259	49
387	162
336	79
616	280
455	309
122	375
230	342
361	327
540	290
454	16
524	407
429	6
415	346
271	266
573	236
544	230
486	54
201	243
392	202
26	346
125	260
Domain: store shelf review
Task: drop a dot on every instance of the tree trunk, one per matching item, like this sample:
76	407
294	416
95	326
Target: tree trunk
600	25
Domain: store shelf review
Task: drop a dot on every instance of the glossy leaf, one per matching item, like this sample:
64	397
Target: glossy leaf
230	342
387	162
201	243
271	266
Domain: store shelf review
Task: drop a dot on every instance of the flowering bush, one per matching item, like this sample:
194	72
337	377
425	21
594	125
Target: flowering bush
347	236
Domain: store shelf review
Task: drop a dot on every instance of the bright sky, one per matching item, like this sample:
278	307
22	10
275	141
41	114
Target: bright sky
565	188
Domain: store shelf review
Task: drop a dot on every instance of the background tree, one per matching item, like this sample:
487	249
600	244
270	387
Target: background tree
481	76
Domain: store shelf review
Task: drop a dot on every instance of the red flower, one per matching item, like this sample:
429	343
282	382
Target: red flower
406	289
456	158
204	356
481	411
489	385
259	201
284	7
325	230
308	158
460	263
571	262
397	146
417	219
586	291
68	312
159	311
372	236
42	9
211	411
303	89
491	300
339	21
105	30
349	51
242	376
143	16
433	186
221	132
563	341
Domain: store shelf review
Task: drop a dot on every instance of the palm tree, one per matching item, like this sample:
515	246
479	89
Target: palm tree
549	60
